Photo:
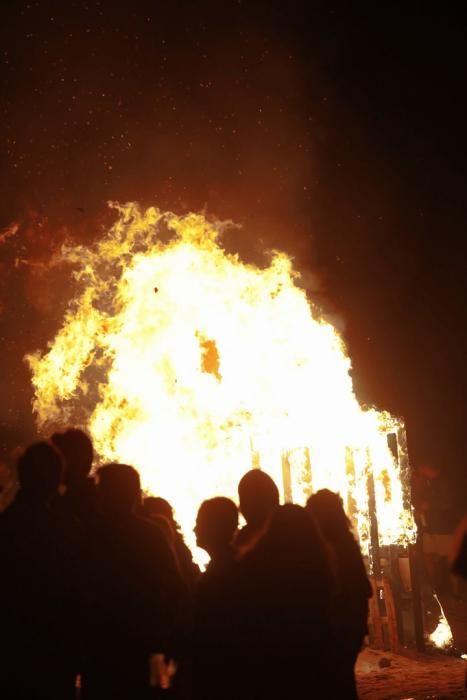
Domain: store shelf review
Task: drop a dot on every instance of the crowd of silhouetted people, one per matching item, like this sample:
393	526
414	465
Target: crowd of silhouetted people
101	597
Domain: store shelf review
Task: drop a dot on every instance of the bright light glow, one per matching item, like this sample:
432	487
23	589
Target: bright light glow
192	365
442	636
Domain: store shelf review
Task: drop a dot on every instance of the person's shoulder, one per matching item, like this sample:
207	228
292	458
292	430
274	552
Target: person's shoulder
459	549
13	514
249	540
242	535
6	518
148	530
247	562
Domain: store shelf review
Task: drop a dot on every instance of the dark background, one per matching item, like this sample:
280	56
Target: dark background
336	134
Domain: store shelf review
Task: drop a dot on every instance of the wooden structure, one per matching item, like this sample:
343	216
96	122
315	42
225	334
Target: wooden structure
395	610
383	624
395	616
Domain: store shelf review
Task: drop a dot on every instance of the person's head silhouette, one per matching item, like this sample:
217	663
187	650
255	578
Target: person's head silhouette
259	497
328	512
216	524
76	448
292	529
39	470
119	488
155	505
160	512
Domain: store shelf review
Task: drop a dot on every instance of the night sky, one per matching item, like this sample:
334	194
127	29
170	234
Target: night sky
337	135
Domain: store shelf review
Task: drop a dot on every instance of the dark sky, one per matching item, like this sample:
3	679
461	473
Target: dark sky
335	134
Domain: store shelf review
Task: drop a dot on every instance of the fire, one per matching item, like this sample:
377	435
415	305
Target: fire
442	636
194	366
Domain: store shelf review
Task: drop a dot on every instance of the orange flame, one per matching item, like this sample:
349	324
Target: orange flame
193	366
442	636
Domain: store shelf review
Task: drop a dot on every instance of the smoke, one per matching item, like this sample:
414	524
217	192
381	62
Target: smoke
210	114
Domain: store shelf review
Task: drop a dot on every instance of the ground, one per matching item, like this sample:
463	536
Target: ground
411	676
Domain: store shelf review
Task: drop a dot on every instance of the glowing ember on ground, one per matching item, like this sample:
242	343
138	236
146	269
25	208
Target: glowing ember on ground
193	366
442	636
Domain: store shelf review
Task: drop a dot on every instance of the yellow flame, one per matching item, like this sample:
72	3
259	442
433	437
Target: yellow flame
193	366
442	636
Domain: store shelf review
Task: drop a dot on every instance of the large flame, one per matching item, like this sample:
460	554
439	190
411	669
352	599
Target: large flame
193	366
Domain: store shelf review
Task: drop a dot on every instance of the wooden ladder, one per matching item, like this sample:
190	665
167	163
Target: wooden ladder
382	620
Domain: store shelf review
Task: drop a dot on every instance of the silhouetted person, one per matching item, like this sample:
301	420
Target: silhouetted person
77	507
166	526
160	512
259	497
7	486
158	509
216	524
36	585
77	451
352	588
135	592
459	563
282	623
